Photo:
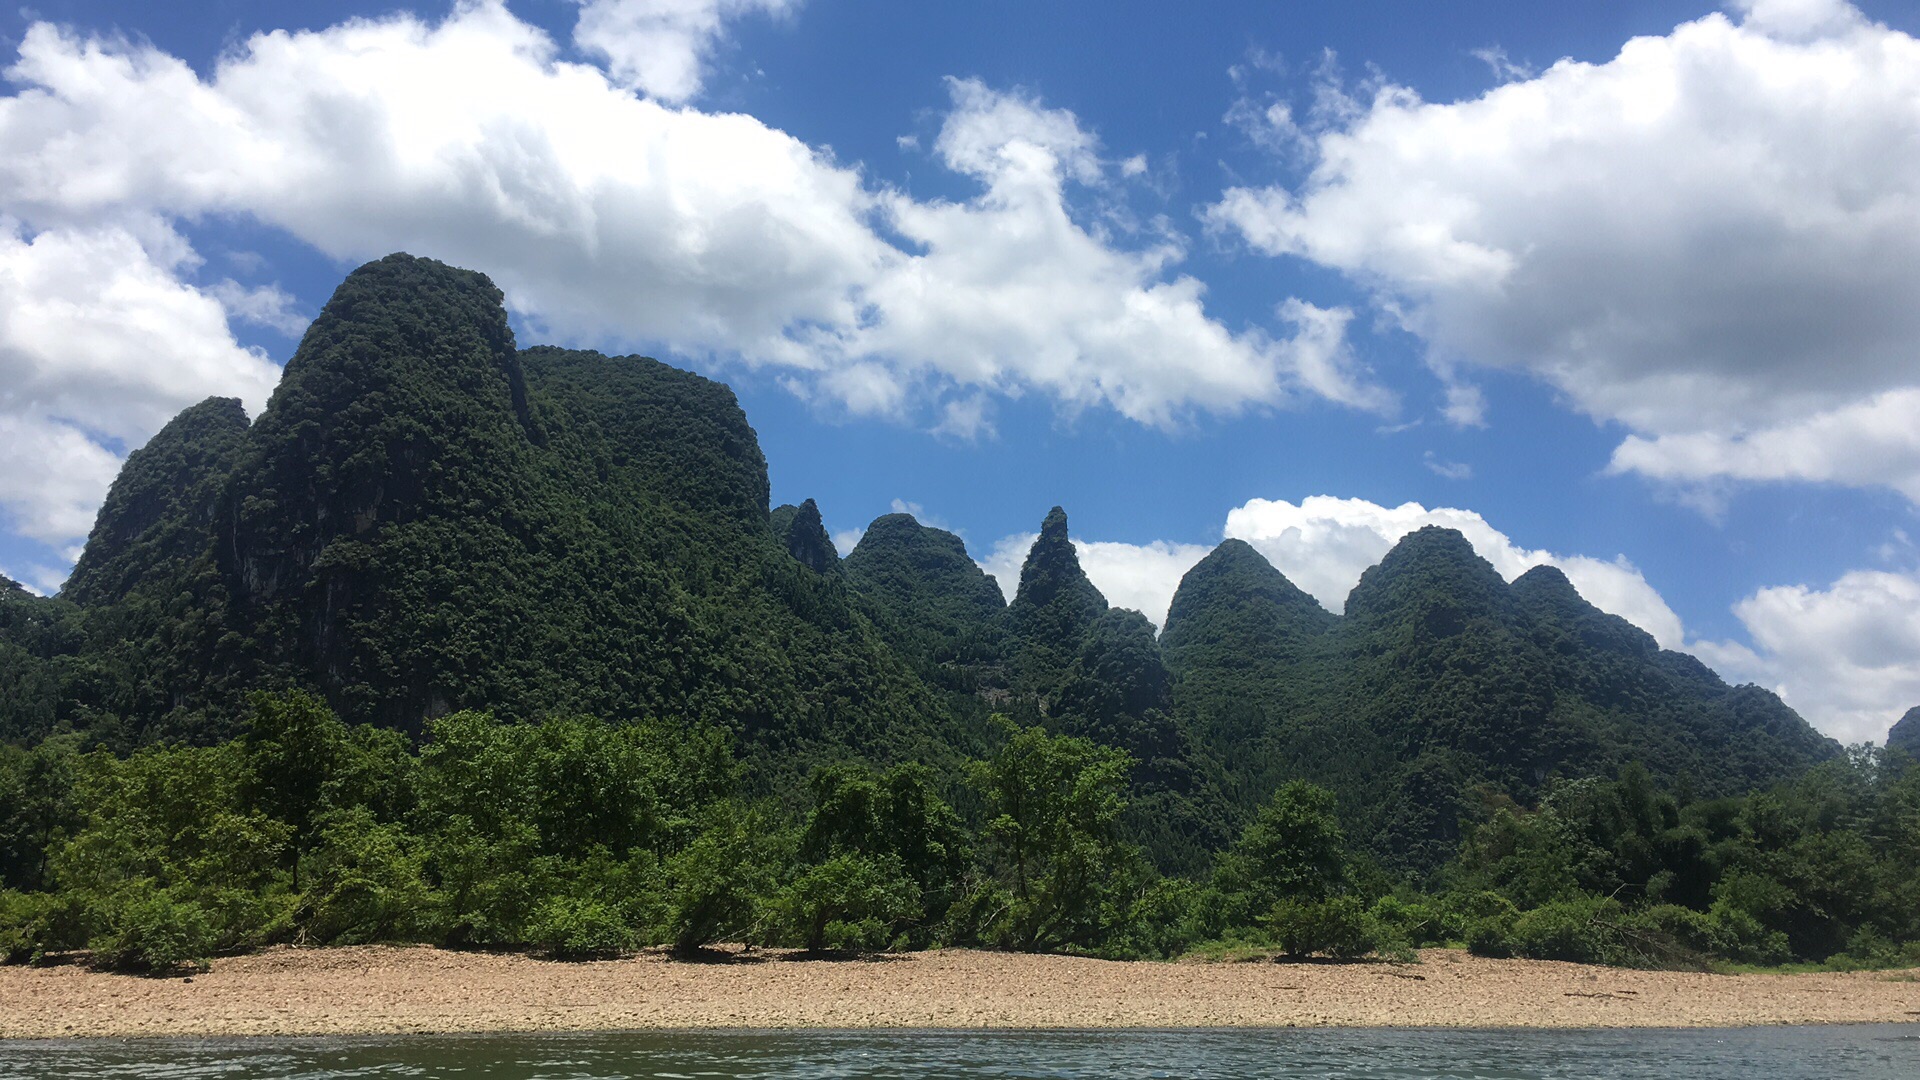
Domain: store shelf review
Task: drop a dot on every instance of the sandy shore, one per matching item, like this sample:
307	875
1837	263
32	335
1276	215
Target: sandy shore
389	990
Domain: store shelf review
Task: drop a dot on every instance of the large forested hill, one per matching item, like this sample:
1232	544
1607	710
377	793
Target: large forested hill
1443	685
427	518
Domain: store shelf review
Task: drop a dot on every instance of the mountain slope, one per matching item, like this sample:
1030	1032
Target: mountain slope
1443	685
935	603
425	518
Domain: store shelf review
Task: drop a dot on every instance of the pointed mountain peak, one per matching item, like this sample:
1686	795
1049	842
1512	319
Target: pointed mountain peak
1545	590
801	531
942	608
908	564
404	326
1052	573
1547	581
1429	566
889	528
1055	526
1235	575
1545	594
161	505
405	401
1054	609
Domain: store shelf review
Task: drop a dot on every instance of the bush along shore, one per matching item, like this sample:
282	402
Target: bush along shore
577	838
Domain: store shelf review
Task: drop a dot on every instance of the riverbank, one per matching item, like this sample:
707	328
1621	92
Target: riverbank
384	990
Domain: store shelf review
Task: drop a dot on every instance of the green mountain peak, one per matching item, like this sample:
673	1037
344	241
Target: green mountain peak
800	530
1054	608
1435	570
1906	733
158	512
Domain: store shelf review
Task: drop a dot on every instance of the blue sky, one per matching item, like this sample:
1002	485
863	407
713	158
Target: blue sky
1630	287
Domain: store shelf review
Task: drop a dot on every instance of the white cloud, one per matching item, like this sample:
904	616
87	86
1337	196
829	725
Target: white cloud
265	305
1874	441
1712	238
55	477
37	579
1843	656
1451	470
100	344
1324	543
846	540
661	47
1006	558
965	419
613	219
1142	577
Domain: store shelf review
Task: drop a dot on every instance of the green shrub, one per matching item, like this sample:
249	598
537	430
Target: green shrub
1335	927
1484	921
1668	935
1741	937
146	929
574	928
365	882
1582	930
29	924
1160	922
853	903
713	886
1409	923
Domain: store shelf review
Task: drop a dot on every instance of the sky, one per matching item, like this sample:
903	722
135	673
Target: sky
1628	288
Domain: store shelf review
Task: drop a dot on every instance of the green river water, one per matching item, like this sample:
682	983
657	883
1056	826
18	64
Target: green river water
1881	1052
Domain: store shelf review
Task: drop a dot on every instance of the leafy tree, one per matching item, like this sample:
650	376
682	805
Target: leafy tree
1294	852
714	884
849	902
294	747
1061	872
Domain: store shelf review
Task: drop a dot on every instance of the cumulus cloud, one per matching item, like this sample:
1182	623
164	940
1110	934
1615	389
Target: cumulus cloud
1324	543
661	47
1006	557
613	218
1139	576
100	344
1712	238
1843	655
1874	441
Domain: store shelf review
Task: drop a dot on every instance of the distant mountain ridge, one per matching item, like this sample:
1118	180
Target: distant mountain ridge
427	517
1443	684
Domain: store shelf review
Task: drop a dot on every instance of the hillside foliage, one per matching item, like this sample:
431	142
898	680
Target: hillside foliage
465	642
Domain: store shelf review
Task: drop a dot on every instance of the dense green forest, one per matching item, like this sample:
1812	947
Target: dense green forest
464	642
580	838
